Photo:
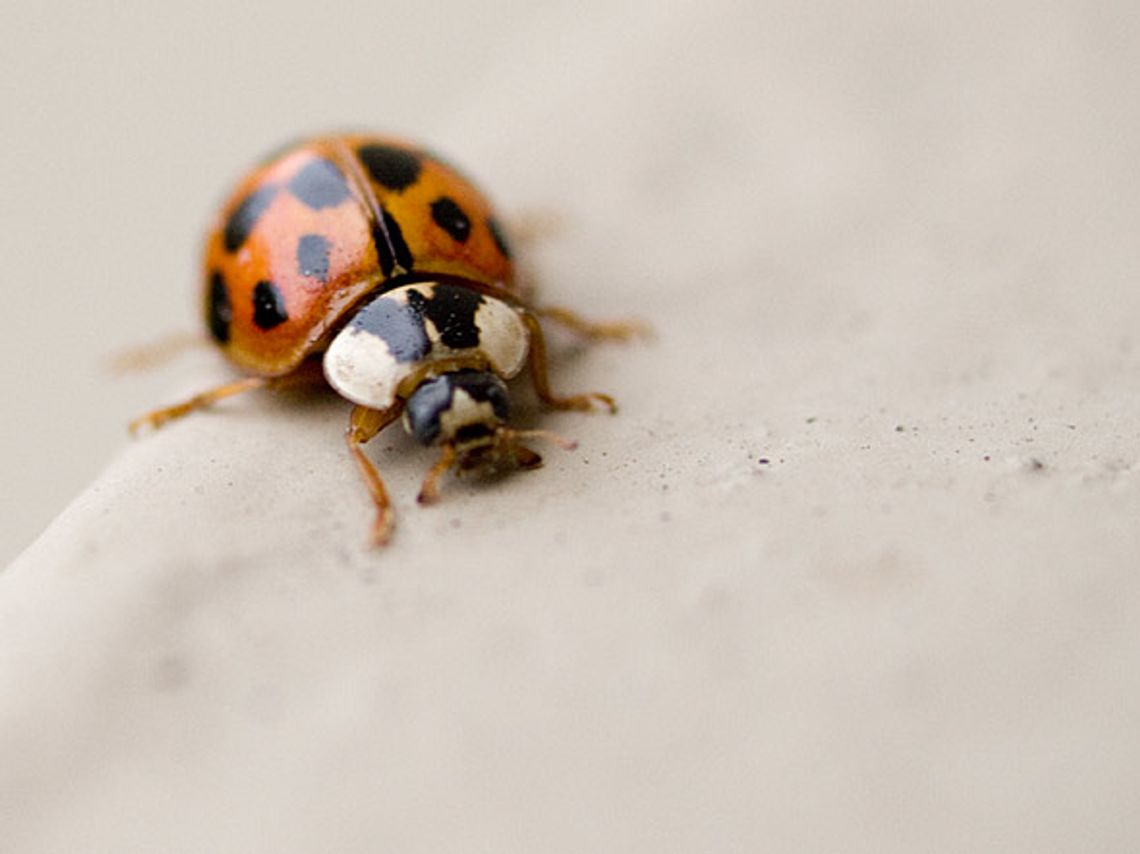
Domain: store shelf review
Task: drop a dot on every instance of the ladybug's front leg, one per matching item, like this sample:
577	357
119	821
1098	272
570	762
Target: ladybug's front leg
363	425
429	492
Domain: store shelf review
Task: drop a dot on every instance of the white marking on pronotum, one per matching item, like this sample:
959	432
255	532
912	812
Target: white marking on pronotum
503	337
360	366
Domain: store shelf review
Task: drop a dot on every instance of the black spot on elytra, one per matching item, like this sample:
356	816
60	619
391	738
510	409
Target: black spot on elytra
452	309
399	326
391	250
268	306
319	184
498	236
390	167
451	218
240	223
219	312
313	257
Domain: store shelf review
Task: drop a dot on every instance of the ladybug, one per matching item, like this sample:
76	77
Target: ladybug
384	263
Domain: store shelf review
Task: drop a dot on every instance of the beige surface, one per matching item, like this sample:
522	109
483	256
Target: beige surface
891	252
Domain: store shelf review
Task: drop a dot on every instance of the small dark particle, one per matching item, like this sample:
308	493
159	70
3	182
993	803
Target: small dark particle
763	461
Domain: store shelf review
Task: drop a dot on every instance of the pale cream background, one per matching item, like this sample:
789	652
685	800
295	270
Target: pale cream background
889	248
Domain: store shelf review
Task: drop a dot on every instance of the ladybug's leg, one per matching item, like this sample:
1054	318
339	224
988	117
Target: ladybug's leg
616	331
541	378
158	417
364	423
429	492
154	353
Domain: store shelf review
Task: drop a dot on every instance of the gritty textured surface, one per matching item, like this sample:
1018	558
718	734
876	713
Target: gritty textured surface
853	569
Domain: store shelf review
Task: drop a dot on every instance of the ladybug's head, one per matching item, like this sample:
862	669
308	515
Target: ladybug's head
461	408
467	411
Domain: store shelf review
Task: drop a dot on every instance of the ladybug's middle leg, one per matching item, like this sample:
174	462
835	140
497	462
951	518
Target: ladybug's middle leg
363	425
158	417
541	378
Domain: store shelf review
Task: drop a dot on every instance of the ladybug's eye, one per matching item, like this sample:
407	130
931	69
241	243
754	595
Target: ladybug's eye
427	403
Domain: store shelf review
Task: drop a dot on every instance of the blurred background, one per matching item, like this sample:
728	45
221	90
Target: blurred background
811	126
